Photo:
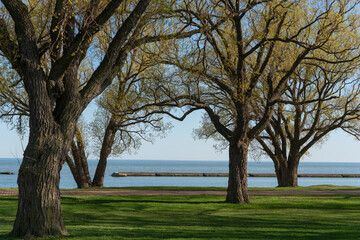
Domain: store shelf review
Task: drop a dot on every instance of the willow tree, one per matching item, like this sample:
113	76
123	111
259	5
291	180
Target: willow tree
256	46
318	100
46	51
120	124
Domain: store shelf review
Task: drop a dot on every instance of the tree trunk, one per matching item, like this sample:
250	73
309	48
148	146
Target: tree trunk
107	143
82	157
293	173
80	165
83	183
85	166
39	207
237	184
286	173
72	167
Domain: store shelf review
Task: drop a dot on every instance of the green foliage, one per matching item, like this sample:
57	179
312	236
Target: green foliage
245	54
126	107
13	98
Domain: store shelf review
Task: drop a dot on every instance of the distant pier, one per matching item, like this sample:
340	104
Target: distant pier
173	174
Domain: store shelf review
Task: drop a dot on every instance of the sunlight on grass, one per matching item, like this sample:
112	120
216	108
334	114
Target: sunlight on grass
309	188
203	217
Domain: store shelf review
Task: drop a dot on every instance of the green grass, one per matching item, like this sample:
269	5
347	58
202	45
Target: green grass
203	217
309	188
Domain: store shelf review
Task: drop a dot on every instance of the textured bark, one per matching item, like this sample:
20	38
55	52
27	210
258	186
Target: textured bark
237	183
286	170
292	176
107	143
73	170
80	159
281	172
83	164
55	99
39	207
83	182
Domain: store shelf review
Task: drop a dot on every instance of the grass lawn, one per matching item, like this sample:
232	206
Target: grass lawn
203	217
308	188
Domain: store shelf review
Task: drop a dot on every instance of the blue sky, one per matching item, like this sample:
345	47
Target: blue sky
180	145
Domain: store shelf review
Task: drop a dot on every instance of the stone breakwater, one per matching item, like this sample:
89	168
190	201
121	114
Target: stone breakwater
173	174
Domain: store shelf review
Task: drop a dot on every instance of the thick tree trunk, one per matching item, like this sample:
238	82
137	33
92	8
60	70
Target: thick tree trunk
293	166
237	184
39	207
107	143
287	173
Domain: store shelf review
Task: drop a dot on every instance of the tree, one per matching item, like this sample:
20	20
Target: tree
319	98
255	45
47	52
121	123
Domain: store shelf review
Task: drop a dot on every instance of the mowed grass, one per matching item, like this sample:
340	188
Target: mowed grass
203	217
307	188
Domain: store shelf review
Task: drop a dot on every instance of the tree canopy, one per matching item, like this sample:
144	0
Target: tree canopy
247	52
236	60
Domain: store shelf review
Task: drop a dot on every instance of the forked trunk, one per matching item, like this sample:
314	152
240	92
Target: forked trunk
78	164
237	185
39	207
82	179
73	170
287	173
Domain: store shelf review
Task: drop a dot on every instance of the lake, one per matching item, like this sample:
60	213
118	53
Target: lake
67	181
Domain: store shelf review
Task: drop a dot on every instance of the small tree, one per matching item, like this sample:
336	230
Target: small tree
320	98
120	123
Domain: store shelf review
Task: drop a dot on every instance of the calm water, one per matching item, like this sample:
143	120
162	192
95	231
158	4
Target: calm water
191	166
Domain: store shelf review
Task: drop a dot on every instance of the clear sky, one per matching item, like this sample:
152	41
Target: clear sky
180	145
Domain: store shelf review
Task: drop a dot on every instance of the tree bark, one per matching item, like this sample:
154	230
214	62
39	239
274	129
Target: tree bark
287	172
39	207
83	164
83	183
72	167
293	165
107	143
237	183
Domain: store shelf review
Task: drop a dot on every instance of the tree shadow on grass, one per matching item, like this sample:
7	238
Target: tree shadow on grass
204	217
295	204
207	227
132	218
6	237
165	201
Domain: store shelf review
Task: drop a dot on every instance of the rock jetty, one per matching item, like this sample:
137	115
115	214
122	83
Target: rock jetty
173	174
